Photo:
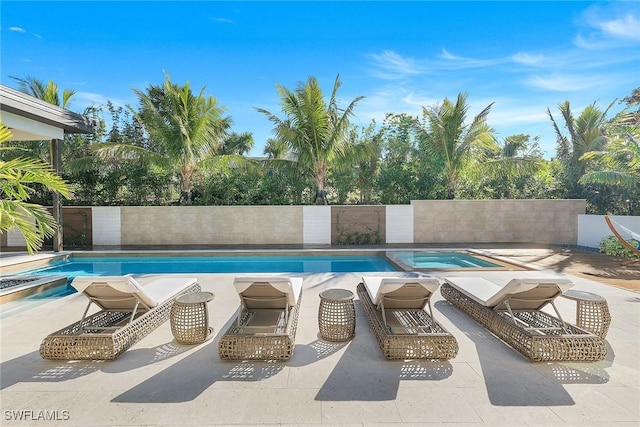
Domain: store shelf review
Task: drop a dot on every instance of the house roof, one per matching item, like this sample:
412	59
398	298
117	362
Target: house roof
30	118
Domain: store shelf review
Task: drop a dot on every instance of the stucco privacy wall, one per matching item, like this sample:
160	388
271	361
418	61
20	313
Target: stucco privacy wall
211	225
14	238
593	228
106	225
399	223
459	221
317	225
421	222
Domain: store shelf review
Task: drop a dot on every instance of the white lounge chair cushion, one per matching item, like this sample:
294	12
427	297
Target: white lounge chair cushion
165	288
291	286
378	287
152	294
490	294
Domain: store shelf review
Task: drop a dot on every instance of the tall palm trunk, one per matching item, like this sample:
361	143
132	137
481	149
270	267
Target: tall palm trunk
186	181
321	197
320	178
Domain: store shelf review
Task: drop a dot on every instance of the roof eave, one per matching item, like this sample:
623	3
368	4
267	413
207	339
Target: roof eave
24	105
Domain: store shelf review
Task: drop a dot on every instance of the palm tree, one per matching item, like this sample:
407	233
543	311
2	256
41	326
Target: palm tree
33	221
275	149
186	132
237	143
358	169
314	131
281	166
619	164
585	134
631	114
514	159
455	142
47	92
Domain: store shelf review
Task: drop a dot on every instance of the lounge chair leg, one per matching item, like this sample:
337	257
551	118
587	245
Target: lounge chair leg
84	316
516	320
430	310
506	303
431	316
384	316
133	312
564	324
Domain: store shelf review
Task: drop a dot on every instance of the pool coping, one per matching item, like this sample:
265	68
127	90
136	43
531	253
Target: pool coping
34	285
503	263
27	262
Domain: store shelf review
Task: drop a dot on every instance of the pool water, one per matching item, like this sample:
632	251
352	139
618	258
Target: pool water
121	265
304	263
21	305
116	266
416	260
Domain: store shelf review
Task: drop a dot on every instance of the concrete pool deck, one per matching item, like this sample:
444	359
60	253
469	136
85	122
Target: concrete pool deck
159	382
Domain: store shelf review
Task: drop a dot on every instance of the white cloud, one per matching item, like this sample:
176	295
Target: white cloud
509	115
223	20
565	83
384	100
17	29
446	55
417	100
626	27
390	65
611	25
86	99
528	59
462	62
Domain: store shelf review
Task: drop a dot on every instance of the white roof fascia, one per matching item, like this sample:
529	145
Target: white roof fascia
24	129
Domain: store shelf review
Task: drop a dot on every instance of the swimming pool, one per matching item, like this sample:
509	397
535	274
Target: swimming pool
86	264
430	260
119	265
83	265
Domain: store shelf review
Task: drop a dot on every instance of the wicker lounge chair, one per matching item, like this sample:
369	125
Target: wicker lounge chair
128	313
514	314
265	327
395	309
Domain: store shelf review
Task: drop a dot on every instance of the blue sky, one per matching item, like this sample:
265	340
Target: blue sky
402	56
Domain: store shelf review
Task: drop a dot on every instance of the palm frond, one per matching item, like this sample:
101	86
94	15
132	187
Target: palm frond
17	172
34	222
611	177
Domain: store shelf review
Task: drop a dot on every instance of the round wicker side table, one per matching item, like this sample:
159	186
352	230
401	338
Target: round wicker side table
337	315
190	318
592	312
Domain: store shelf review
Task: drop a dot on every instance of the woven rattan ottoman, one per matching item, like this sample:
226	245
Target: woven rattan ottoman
190	318
592	312
336	315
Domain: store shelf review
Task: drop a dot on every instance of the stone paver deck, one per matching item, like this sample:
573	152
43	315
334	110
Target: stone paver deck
159	382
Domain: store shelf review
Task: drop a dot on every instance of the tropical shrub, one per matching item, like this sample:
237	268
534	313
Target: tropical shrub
610	245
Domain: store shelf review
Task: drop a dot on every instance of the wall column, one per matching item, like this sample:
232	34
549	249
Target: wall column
56	164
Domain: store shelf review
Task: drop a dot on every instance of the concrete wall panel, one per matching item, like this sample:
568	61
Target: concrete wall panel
106	225
211	225
317	225
484	221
